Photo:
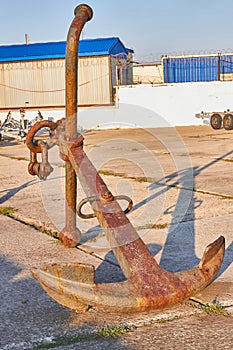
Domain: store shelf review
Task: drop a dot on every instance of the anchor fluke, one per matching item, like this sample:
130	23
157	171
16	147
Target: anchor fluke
56	278
211	251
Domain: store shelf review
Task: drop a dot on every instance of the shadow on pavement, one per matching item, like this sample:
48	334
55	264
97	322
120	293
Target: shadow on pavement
30	318
7	194
178	253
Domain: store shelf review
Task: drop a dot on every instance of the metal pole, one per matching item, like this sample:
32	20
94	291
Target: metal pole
70	236
219	66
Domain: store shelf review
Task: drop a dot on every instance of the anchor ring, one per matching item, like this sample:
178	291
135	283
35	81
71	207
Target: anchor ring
94	199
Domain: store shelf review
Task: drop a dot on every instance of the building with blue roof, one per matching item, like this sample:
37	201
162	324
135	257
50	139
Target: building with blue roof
33	75
52	50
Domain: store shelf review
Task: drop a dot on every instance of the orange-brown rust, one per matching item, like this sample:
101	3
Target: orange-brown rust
30	142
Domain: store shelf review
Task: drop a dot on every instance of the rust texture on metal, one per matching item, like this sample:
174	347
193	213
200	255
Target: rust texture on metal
33	166
147	285
83	13
43	169
33	144
106	198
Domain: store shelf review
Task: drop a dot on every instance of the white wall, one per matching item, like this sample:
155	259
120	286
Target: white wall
156	106
161	105
176	104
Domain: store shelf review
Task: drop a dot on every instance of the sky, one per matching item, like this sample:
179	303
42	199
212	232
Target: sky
150	27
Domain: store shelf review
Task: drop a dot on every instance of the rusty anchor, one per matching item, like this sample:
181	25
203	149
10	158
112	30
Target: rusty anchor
147	285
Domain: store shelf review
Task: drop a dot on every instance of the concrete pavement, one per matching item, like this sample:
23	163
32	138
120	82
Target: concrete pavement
181	184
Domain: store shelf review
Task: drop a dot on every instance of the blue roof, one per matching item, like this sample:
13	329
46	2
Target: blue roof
50	50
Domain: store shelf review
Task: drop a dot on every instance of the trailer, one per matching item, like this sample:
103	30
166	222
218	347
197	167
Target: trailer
15	128
218	120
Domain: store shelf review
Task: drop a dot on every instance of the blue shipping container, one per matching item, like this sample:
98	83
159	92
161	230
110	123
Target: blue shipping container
199	68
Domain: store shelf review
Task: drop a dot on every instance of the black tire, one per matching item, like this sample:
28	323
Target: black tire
216	121
228	122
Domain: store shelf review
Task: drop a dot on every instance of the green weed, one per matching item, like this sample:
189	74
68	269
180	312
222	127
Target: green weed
215	307
20	158
136	178
166	320
8	211
153	226
107	332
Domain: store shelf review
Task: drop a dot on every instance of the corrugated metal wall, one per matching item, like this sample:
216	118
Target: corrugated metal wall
226	64
35	83
199	68
42	83
94	81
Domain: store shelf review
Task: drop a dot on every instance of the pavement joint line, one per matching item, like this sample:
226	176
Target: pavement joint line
166	316
196	190
15	157
97	256
155	182
115	330
37	225
149	180
213	304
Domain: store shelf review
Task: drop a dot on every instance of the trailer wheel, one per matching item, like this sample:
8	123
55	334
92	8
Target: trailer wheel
228	122
216	121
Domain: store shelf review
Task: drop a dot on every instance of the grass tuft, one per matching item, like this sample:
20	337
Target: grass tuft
107	332
152	226
230	160
112	332
8	211
136	178
166	320
20	158
211	308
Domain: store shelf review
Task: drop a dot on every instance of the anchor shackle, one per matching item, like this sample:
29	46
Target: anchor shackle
32	144
43	169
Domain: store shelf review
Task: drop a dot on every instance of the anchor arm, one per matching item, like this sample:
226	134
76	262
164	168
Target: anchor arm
129	296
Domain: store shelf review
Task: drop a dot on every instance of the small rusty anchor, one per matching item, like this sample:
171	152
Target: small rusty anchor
147	285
